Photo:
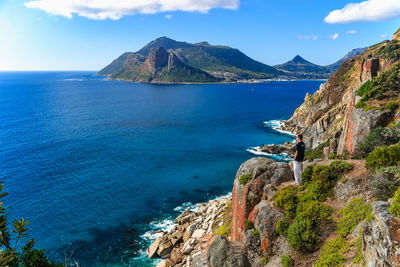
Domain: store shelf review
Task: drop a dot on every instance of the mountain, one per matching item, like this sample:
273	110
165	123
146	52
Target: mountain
219	62
301	68
355	52
159	66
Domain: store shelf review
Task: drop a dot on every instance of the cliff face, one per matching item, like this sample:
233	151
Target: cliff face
331	113
159	66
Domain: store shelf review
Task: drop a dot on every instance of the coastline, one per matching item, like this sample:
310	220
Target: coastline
194	227
249	81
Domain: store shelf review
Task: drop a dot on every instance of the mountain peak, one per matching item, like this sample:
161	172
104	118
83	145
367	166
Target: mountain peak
299	59
396	35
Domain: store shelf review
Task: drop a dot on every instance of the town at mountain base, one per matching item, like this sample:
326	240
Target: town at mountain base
347	211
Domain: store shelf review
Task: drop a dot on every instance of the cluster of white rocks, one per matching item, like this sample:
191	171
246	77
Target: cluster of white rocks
187	243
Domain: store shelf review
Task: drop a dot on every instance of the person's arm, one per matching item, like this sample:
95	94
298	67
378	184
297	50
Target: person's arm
295	154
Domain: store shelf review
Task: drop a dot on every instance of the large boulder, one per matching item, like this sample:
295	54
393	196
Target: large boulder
381	237
245	196
265	217
223	253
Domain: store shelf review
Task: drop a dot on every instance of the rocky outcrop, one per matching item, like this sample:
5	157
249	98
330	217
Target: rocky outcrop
246	196
381	237
187	243
223	253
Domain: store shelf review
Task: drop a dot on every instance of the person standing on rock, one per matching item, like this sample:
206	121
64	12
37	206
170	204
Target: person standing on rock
298	159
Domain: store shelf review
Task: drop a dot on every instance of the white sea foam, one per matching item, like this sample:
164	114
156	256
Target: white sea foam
257	151
277	125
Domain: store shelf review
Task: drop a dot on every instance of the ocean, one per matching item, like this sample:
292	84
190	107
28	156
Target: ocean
97	166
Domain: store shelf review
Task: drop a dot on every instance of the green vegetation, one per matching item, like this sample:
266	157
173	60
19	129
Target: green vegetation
339	166
264	261
286	198
391	50
255	233
381	86
249	225
226	228
395	206
354	212
385	182
286	261
380	137
338	156
314	211
384	156
282	226
306	175
332	253
314	154
301	236
305	212
392	105
13	253
245	178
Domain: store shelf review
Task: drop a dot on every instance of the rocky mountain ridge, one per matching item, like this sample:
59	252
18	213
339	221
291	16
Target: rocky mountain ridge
331	112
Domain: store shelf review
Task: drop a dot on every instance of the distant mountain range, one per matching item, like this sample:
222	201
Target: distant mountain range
168	61
303	69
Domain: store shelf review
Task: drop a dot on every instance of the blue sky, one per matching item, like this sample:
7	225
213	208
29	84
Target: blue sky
72	35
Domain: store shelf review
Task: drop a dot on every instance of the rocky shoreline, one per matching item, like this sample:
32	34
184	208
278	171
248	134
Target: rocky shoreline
188	241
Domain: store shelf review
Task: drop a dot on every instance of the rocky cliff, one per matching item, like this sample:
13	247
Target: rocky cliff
159	66
332	112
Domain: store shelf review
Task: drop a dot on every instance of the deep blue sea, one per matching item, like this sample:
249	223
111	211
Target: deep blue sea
97	165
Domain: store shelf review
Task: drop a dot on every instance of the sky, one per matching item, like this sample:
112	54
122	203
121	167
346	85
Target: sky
89	34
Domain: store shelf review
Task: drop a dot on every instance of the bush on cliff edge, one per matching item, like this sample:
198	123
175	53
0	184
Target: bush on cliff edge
384	156
395	206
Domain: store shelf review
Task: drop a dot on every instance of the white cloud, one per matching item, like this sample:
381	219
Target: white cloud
334	36
168	16
115	9
370	10
383	35
351	32
307	37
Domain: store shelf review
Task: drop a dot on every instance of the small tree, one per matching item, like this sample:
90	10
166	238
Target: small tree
12	253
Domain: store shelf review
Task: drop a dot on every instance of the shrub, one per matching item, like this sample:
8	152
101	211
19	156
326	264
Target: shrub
387	81
314	211
320	190
306	175
395	206
286	198
249	225
245	178
392	105
264	261
282	226
286	261
321	173
301	236
380	137
314	154
385	182
224	230
384	156
255	233
332	253
338	156
339	166
354	212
